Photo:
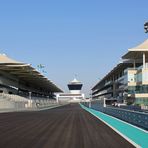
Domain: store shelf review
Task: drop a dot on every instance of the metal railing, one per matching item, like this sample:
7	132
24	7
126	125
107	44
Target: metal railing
139	119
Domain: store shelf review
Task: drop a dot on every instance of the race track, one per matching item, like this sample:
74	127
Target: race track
68	126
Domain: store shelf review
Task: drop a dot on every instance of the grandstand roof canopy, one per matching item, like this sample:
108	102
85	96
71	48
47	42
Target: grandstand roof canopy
25	72
137	52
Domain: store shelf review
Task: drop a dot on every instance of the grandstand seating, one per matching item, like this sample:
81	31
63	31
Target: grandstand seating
20	103
12	97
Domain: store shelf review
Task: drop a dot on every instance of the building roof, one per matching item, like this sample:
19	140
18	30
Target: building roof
75	81
137	52
26	73
141	47
4	59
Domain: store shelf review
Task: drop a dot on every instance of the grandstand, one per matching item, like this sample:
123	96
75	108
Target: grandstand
23	86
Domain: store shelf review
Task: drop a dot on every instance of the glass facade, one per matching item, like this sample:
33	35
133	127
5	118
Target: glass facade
74	86
138	89
131	89
139	77
141	101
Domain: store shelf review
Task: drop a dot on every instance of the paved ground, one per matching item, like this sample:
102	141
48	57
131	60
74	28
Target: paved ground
64	127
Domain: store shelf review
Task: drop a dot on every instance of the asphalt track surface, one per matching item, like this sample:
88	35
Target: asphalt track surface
68	126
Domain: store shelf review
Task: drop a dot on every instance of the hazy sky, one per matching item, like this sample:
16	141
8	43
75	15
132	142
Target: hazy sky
83	37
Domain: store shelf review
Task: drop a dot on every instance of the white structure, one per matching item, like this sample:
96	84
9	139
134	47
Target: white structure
74	95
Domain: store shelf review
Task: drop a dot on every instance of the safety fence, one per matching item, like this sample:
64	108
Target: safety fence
139	119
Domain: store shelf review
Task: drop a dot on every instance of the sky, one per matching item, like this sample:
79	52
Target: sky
71	37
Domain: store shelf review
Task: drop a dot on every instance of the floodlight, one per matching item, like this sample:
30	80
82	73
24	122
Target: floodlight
146	27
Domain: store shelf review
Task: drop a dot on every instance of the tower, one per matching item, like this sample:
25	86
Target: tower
74	94
75	86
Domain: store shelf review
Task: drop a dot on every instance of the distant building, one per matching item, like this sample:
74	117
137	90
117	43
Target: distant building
74	95
128	81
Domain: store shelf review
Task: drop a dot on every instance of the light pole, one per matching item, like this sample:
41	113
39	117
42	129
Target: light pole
146	27
90	99
41	68
30	99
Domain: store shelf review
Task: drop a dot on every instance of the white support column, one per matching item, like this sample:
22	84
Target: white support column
83	96
104	102
114	86
30	99
57	98
143	60
90	104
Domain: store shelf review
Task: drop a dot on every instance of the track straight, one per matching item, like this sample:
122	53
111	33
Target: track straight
67	126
